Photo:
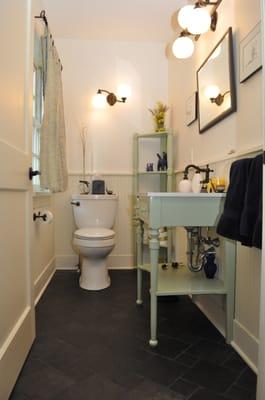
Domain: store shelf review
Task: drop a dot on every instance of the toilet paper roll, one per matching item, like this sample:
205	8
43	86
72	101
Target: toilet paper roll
49	217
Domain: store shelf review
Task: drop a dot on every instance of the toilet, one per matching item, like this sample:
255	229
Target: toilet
94	239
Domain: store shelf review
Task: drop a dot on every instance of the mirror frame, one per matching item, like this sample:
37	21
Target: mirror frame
231	79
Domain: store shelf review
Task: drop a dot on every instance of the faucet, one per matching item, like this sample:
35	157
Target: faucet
205	170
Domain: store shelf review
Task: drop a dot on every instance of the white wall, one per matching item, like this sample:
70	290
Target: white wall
240	132
88	66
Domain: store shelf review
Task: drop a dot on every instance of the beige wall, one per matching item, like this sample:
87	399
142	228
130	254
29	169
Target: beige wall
88	66
241	133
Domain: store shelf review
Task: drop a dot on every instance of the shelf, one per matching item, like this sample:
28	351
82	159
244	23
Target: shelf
182	281
152	172
151	135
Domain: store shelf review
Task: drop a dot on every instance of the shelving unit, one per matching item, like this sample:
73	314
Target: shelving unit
166	177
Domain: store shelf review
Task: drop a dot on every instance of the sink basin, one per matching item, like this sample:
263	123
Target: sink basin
186	209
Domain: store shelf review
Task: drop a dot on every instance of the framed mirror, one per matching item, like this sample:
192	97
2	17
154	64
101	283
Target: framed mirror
216	84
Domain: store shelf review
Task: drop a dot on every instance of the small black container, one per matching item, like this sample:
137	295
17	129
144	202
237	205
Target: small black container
98	186
210	267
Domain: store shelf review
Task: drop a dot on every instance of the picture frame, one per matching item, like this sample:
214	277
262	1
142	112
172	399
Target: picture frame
191	109
250	53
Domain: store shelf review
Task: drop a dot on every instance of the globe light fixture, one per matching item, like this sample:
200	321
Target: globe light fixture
124	91
211	92
183	16
99	100
199	21
183	47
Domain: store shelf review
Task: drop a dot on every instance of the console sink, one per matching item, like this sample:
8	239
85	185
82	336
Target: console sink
186	209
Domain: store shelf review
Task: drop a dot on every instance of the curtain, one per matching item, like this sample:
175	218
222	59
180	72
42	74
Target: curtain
53	166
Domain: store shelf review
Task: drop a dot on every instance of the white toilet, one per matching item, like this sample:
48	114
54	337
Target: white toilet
94	240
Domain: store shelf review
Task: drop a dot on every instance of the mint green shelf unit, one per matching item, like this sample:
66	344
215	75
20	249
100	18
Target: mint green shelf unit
166	177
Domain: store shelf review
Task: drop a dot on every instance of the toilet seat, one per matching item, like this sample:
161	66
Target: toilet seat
94	234
94	237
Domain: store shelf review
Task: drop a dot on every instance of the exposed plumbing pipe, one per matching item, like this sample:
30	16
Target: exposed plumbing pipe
196	252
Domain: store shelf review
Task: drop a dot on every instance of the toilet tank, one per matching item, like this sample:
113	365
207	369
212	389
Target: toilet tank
94	210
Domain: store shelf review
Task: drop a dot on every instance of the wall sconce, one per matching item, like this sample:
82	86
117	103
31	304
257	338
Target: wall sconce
194	20
213	94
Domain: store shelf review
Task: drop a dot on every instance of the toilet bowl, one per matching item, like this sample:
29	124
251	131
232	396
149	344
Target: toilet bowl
94	240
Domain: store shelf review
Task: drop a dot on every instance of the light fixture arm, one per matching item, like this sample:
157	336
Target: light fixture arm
111	97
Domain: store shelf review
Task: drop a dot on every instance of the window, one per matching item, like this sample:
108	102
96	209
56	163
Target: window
37	120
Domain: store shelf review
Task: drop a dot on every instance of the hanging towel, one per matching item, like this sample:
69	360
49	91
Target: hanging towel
53	167
250	223
229	223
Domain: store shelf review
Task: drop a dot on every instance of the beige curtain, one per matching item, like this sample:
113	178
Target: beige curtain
53	166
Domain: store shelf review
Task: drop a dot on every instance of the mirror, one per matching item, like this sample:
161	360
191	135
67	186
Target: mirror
216	84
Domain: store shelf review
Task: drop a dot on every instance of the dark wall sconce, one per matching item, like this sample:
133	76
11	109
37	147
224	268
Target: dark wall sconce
111	98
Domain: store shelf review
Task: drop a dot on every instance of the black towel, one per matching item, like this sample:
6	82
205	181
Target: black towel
229	223
251	218
242	216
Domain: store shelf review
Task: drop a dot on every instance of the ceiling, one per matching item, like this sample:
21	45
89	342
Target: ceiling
121	20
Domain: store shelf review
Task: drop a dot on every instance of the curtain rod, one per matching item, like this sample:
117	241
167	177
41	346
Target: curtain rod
44	18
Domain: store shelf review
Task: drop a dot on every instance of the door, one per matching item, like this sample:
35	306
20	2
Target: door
17	324
261	366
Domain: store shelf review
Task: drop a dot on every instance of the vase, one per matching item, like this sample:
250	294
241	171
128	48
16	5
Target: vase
209	266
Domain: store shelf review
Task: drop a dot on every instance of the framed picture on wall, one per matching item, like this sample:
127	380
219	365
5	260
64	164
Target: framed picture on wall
250	53
191	109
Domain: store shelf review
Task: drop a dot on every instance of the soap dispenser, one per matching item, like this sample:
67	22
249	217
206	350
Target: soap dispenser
185	185
196	182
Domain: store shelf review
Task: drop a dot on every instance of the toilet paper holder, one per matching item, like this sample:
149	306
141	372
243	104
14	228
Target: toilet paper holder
39	215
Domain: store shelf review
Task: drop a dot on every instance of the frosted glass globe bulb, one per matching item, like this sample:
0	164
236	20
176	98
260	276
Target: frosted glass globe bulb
99	100
183	16
183	47
199	21
124	90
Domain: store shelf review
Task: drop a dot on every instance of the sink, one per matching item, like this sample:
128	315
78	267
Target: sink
187	209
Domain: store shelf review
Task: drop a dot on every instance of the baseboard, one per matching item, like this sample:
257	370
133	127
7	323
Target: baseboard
43	280
246	345
115	261
66	261
120	261
14	352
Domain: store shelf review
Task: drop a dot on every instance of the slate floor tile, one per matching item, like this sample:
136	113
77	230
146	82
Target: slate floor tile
211	376
183	387
248	380
95	387
235	362
42	384
239	393
161	370
204	394
211	351
168	347
149	390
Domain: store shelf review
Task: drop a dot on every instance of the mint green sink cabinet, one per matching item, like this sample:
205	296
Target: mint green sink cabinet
182	209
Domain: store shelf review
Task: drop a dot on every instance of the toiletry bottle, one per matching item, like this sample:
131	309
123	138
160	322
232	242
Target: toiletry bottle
185	185
196	182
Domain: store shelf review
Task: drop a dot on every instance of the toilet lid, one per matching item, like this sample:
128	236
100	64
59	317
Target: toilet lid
94	233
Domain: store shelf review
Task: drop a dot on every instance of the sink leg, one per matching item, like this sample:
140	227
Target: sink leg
154	250
139	233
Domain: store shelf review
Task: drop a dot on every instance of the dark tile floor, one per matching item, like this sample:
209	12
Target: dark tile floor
93	345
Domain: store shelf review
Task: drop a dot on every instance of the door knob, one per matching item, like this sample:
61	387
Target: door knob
33	173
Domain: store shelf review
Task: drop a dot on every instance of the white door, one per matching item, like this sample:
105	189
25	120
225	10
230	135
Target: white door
17	323
261	366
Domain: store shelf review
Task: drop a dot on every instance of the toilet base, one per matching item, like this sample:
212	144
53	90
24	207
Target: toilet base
94	274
